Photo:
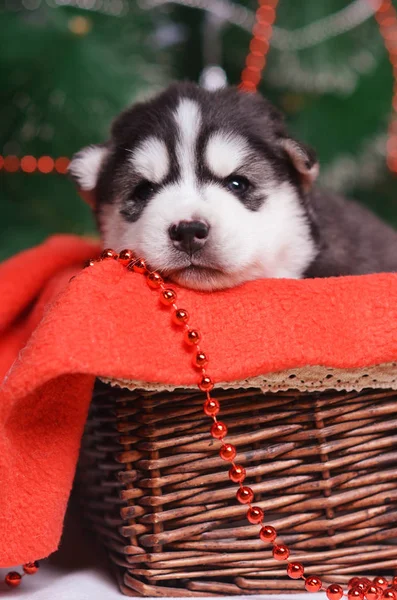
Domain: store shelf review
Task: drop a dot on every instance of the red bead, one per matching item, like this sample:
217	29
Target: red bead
255	515
89	263
154	280
206	384
108	253
389	595
211	407
180	316
13	579
268	533
218	430
244	494
334	592
138	266
313	584
353	581
168	297
281	552
31	568
394	580
126	257
295	570
381	582
355	593
192	337
227	452
200	360
237	474
373	592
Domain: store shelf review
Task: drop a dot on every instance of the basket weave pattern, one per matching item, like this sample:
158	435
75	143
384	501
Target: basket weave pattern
323	468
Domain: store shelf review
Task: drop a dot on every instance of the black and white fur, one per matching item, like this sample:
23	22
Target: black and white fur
209	188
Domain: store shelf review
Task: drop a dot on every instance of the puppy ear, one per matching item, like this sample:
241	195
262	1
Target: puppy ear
304	160
84	169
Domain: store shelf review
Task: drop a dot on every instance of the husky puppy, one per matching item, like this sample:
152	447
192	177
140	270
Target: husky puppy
211	190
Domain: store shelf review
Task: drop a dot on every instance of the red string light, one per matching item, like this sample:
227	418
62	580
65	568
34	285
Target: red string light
259	46
386	16
30	164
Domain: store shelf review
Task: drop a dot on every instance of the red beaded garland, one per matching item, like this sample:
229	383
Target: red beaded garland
31	568
237	474
295	570
281	552
13	579
244	494
268	533
218	430
313	584
227	452
255	515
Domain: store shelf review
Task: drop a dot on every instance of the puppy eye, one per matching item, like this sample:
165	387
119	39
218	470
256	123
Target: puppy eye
238	185
143	191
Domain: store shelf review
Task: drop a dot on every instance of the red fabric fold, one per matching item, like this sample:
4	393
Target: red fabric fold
58	335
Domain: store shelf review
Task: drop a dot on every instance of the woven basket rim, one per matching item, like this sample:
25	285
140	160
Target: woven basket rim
311	378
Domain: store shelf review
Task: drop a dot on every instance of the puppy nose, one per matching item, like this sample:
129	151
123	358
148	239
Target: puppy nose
189	236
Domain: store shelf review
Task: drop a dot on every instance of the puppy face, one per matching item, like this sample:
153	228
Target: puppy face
206	186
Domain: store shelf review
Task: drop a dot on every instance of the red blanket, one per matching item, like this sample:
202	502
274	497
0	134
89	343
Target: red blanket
57	336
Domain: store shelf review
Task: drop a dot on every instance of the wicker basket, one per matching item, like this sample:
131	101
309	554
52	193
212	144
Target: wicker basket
323	467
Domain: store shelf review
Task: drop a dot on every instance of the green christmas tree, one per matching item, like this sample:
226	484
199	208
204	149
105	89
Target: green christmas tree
67	70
